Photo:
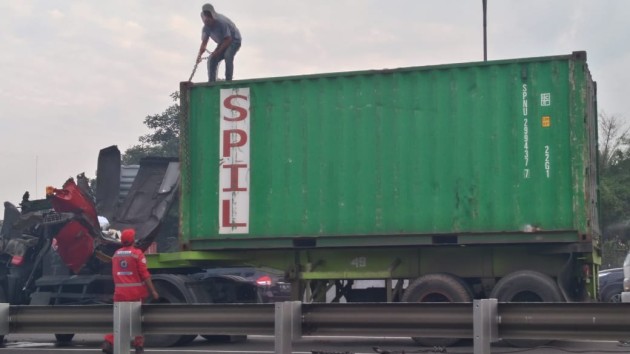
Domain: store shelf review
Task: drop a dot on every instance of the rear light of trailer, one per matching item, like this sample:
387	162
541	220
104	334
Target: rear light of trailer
265	280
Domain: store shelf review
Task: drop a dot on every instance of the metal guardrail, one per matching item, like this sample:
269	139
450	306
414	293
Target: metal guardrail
56	319
596	321
215	319
487	321
450	320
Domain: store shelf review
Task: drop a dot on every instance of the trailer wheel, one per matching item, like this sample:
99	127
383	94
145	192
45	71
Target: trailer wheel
438	287
527	286
158	340
64	339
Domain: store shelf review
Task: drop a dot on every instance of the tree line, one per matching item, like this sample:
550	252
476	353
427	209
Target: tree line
614	188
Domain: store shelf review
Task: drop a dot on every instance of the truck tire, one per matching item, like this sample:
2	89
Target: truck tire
438	287
526	286
160	340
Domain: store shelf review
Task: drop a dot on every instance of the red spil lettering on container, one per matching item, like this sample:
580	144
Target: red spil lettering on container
234	170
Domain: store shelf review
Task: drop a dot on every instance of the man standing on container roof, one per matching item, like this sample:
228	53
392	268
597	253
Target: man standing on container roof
228	38
131	280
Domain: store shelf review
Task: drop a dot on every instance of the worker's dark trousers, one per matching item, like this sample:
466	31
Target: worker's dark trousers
228	55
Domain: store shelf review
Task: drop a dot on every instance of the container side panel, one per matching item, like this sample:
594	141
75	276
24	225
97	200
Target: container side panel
480	148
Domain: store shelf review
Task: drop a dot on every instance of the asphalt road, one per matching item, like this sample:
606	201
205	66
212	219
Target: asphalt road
45	344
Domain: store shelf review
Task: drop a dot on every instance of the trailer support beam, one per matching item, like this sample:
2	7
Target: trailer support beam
288	325
127	324
485	324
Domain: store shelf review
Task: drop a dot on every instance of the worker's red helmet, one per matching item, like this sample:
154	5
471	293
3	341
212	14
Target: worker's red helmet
128	236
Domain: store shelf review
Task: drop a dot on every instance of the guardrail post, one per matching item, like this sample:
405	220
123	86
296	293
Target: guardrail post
485	324
4	319
127	319
288	325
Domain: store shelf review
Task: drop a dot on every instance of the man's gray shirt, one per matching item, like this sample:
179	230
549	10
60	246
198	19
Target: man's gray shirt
221	28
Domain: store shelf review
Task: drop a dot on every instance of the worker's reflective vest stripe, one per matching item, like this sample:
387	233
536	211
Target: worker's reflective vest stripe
129	270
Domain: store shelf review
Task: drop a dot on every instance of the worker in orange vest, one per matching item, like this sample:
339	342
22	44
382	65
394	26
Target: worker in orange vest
132	281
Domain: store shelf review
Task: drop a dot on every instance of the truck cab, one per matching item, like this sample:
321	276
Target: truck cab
57	251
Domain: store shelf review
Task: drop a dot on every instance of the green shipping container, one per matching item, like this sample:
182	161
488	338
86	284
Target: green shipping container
490	152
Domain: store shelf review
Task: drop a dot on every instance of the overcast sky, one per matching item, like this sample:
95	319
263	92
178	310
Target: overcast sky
77	76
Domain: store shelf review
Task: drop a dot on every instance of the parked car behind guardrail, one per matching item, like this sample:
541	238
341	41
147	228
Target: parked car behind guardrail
270	282
625	295
611	284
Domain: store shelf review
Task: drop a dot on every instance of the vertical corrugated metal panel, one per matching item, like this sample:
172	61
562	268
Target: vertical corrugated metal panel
128	174
470	148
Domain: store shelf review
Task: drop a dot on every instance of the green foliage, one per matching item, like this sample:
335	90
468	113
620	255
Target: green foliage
615	197
614	252
613	142
162	141
133	155
614	189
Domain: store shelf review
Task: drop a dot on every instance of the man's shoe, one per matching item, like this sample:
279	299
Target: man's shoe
107	348
139	350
